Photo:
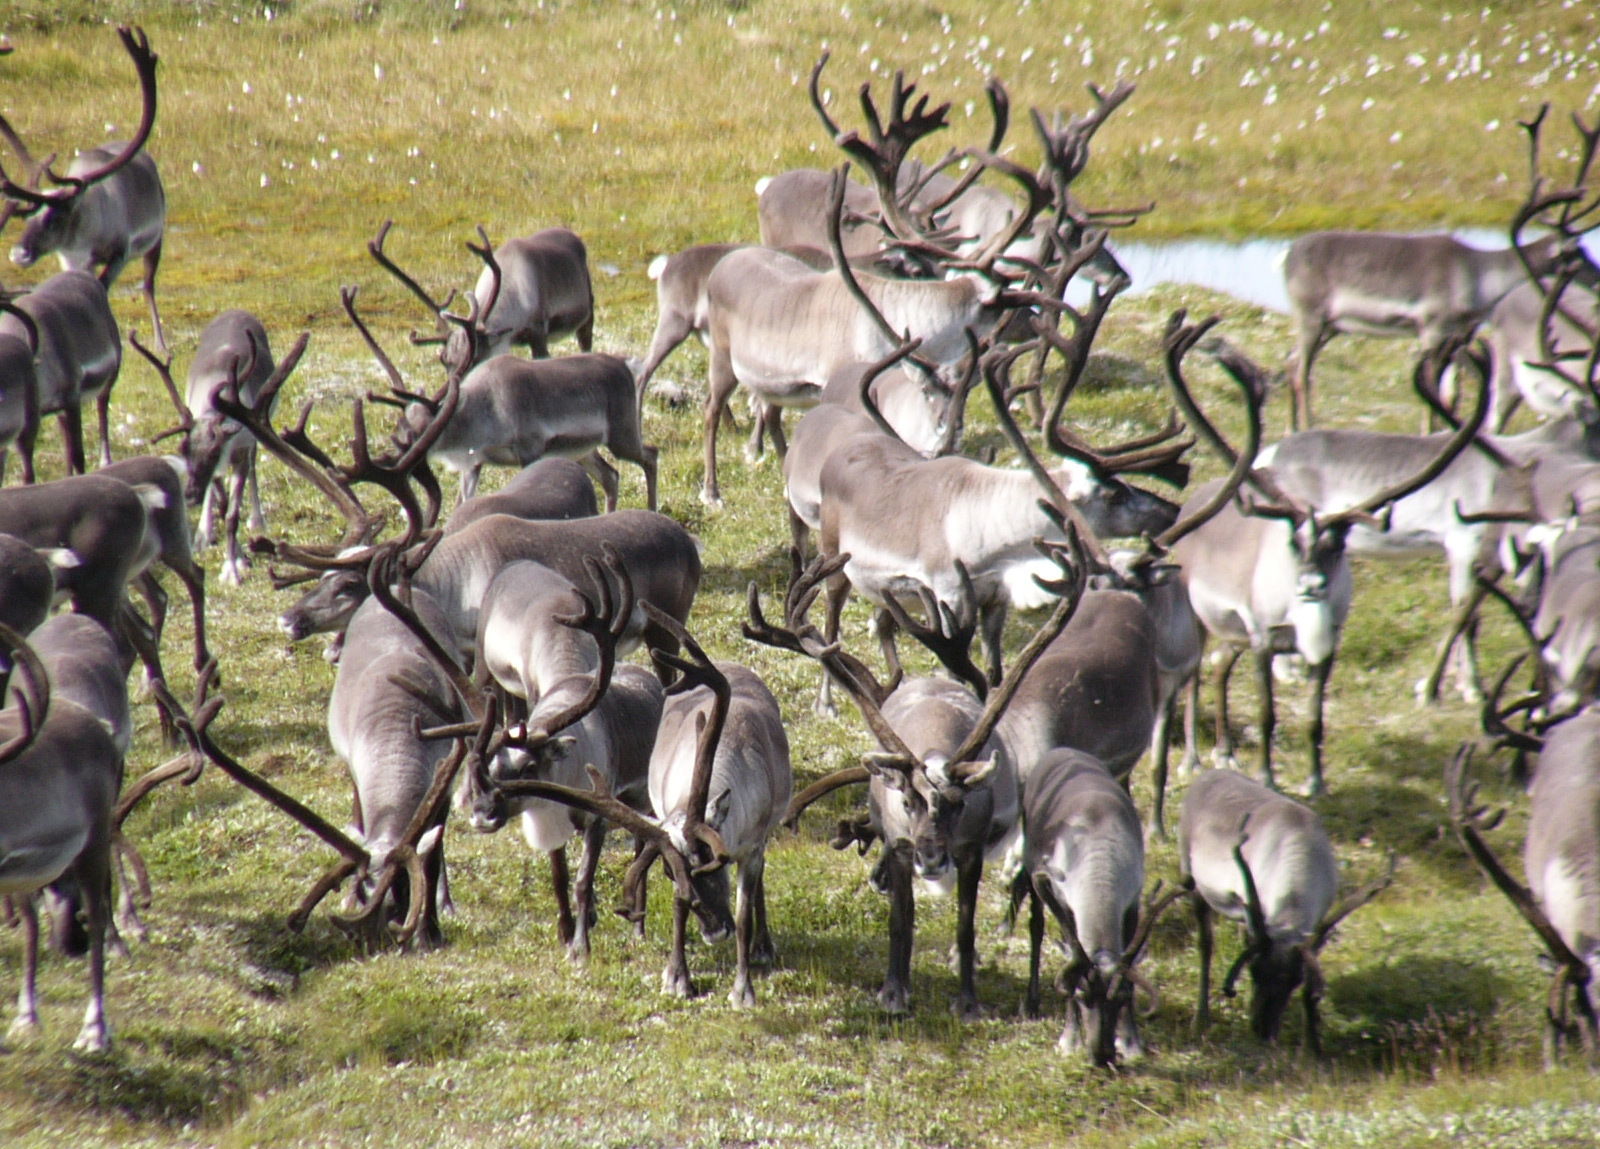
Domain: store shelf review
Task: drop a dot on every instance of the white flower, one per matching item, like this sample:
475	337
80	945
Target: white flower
377	71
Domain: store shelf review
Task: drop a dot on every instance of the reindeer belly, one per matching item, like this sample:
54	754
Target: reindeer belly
1359	313
26	867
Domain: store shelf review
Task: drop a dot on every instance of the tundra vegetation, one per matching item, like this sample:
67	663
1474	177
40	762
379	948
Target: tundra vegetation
289	131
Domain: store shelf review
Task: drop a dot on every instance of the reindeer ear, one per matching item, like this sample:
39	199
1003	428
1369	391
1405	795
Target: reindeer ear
886	768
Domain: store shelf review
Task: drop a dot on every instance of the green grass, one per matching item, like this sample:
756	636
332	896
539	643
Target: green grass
646	133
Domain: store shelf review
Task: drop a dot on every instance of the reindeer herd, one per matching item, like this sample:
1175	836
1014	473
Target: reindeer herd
479	654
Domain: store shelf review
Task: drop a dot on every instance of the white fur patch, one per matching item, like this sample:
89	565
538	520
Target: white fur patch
762	184
1024	593
546	825
657	266
152	496
177	463
62	558
1315	635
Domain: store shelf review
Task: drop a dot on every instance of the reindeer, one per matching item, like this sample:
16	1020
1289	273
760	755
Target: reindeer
108	209
60	771
532	290
19	382
545	643
906	521
1562	899
234	357
1430	286
79	357
515	411
96	528
1531	331
1274	578
943	793
551	488
1263	859
1084	859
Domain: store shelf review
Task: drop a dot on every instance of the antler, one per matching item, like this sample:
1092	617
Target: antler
1465	818
889	146
1176	344
949	630
375	249
195	724
996	375
1155	904
163	368
486	253
33	702
1351	903
1259	939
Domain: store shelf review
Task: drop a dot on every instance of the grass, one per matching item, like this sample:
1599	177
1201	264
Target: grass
285	141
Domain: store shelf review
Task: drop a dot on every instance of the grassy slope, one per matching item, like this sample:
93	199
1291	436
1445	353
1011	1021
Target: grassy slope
285	142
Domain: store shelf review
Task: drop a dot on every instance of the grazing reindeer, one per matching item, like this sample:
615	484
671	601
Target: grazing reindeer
546	643
532	290
943	793
234	358
1562	860
79	358
721	763
1260	858
60	771
109	208
1084	859
1277	579
386	683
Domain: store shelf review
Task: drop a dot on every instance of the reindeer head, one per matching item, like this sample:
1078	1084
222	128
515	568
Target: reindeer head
926	807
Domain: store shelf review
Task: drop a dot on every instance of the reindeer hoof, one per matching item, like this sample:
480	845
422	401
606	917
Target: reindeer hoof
95	1038
755	456
23	1030
676	983
895	999
743	995
713	502
231	574
578	952
964	1008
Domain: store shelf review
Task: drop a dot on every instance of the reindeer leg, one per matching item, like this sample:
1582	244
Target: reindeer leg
969	871
1313	1030
760	412
27	1020
883	625
895	996
1319	687
1160	751
774	422
594	841
194	581
258	519
1269	715
743	995
429	935
1191	727
94	876
1204	942
152	262
604	474
675	978
561	885
762	951
155	598
71	422
993	622
648	457
234	562
1031	1002
1222	754
204	532
722	383
837	593
586	331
